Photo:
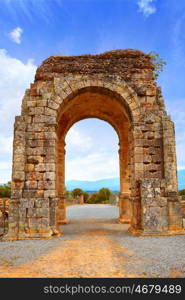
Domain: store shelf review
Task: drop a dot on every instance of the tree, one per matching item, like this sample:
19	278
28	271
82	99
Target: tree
93	198
68	195
182	193
77	192
103	195
86	197
158	63
5	190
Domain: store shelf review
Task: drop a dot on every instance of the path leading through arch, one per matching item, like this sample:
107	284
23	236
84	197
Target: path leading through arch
94	245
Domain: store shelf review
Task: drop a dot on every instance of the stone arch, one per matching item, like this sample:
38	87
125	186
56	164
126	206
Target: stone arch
96	102
125	94
67	88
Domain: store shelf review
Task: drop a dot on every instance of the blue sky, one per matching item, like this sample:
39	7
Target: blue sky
32	30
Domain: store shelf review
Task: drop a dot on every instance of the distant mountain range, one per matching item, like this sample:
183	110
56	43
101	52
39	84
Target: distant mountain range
93	186
111	183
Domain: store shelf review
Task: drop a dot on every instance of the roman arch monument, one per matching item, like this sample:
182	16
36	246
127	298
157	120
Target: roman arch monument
118	87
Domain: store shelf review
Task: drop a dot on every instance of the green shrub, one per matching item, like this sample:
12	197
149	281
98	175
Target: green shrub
5	190
182	192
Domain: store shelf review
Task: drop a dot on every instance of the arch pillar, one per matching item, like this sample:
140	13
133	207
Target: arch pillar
125	209
61	200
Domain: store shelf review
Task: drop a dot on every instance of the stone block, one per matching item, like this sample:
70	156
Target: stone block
42	103
157	158
183	222
31	184
35	159
147	158
16	193
27	203
29	193
139	166
50	167
53	105
34	176
18	176
138	142
39	193
17	185
138	158
153	174
36	127
41	203
45	223
31	212
18	165
46	185
155	220
159	201
49	176
49	193
42	212
36	151
175	222
175	208
31	103
36	111
41	167
50	112
29	167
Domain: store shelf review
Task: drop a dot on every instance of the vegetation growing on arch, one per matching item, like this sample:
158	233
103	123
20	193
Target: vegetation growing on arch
158	63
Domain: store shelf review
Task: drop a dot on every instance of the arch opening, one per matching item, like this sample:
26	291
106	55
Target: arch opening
90	104
91	164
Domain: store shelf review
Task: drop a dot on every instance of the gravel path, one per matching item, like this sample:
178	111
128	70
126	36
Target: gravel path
94	245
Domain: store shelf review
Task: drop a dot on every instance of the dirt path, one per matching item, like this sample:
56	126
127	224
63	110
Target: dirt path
93	244
91	254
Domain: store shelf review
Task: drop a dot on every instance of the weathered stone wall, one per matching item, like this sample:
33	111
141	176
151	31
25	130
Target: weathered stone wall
117	87
133	66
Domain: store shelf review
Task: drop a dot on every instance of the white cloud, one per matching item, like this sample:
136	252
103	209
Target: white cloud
6	144
176	109
15	35
93	166
77	140
30	9
15	78
146	7
4	165
91	151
